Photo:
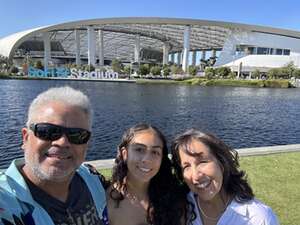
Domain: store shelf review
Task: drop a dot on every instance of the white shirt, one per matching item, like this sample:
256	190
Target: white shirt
252	212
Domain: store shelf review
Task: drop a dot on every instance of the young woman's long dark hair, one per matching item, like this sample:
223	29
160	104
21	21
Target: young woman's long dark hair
234	180
166	198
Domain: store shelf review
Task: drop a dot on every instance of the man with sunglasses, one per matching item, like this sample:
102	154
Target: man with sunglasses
51	185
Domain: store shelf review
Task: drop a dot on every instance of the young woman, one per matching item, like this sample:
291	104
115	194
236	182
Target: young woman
144	190
219	193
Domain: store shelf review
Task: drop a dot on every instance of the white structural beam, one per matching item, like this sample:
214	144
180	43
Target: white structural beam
214	53
166	48
186	48
178	58
47	49
91	45
194	55
203	54
101	48
137	49
77	47
173	58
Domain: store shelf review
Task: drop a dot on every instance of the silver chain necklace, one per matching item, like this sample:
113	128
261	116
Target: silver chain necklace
210	217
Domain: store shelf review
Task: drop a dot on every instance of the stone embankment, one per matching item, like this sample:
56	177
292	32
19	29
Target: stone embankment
108	163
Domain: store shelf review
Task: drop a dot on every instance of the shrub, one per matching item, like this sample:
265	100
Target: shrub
116	65
273	73
176	69
144	69
127	70
166	70
222	71
13	70
193	70
155	70
297	73
256	73
209	72
39	65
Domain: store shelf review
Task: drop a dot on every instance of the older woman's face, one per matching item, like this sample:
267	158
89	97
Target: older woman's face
201	171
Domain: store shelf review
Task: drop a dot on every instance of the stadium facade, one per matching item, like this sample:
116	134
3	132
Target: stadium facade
156	40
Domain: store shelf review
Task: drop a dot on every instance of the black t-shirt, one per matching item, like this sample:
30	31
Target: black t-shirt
79	209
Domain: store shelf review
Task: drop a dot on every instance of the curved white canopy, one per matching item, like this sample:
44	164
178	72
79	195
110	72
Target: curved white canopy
119	35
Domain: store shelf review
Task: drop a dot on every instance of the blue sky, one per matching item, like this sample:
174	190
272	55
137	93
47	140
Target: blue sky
18	15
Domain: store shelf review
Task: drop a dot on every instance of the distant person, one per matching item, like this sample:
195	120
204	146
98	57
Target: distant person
144	190
219	193
51	185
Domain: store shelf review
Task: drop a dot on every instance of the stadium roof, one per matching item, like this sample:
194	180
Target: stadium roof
119	35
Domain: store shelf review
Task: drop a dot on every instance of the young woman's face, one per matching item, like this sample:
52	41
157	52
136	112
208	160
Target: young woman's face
201	171
143	155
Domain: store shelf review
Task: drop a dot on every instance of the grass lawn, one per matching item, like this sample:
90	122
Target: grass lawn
275	180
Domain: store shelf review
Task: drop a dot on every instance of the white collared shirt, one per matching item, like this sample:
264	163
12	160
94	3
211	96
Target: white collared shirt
252	212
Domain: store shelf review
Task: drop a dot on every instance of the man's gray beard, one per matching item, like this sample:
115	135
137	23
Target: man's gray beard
44	176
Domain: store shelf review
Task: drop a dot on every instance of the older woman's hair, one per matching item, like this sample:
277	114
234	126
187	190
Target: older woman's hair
66	95
234	180
166	199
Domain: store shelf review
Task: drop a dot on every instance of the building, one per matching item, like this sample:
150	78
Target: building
157	40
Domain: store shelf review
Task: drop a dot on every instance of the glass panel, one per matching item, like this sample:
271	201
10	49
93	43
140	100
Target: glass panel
262	51
251	50
286	52
278	51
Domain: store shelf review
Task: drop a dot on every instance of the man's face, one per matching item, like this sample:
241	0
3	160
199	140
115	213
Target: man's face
54	160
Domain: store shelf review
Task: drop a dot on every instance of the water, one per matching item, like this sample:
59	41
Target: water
242	117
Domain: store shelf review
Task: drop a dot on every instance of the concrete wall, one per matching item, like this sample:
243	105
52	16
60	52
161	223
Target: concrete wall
228	55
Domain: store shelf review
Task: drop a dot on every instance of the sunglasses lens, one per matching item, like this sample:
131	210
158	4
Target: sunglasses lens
48	132
78	136
51	132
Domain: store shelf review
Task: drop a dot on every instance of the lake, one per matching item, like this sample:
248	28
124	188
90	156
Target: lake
242	117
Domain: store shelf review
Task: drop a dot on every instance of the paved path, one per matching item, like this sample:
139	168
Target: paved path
108	163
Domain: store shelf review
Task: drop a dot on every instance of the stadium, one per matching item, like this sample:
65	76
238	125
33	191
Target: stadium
156	40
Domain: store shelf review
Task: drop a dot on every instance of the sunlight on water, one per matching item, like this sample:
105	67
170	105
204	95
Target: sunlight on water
243	117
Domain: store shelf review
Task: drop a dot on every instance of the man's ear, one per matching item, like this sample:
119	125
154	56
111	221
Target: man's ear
124	153
25	135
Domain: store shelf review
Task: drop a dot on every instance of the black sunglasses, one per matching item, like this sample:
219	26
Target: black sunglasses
52	132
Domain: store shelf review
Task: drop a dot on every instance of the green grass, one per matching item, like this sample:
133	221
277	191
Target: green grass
238	83
221	82
275	180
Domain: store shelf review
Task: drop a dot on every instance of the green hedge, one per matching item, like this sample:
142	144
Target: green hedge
238	83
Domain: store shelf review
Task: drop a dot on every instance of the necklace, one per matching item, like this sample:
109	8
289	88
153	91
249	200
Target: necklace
210	217
135	200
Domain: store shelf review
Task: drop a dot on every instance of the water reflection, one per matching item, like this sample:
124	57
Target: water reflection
243	117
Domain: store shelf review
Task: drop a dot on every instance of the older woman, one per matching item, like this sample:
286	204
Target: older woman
219	193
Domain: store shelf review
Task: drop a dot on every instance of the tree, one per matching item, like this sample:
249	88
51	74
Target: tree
166	70
209	72
193	70
287	71
222	71
256	73
297	73
38	64
4	63
13	70
144	69
176	69
127	69
155	70
116	65
273	73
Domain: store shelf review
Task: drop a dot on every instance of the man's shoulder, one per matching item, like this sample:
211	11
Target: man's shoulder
93	171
